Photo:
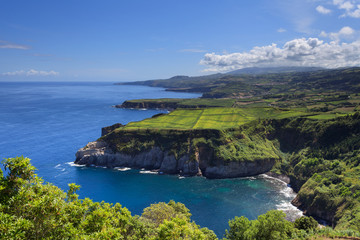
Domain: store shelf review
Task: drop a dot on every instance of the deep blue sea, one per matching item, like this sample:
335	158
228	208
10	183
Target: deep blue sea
49	122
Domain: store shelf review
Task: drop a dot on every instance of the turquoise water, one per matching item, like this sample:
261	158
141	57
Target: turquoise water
48	122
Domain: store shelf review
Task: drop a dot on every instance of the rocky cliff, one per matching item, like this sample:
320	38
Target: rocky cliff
187	153
99	153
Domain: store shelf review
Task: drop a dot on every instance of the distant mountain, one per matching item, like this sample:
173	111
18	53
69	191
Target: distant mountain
269	70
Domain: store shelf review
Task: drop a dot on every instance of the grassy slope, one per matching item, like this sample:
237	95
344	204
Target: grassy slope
212	118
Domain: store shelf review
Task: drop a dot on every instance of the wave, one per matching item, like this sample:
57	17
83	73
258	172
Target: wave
75	165
292	212
288	192
122	169
265	176
148	172
93	165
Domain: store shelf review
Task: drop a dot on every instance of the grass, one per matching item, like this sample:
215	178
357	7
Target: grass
212	118
326	116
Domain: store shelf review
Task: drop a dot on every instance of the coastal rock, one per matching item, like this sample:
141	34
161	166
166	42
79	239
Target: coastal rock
238	169
319	210
99	153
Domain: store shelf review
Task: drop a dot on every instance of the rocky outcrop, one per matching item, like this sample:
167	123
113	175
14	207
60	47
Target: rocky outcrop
99	153
319	211
109	129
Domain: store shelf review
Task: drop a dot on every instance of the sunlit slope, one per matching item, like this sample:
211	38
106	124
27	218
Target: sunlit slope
212	118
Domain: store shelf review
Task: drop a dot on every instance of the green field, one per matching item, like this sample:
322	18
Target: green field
212	118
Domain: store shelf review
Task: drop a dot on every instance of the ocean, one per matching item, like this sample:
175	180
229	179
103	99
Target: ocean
48	122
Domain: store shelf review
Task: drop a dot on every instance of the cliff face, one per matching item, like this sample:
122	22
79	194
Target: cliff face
319	210
99	153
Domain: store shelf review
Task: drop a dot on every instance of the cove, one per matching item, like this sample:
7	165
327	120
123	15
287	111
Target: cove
49	122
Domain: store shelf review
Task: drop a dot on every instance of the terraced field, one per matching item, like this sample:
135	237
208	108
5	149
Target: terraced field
212	118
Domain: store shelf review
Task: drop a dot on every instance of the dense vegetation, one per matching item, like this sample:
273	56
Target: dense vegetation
322	159
31	209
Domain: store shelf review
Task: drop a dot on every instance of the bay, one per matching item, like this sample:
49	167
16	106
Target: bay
48	122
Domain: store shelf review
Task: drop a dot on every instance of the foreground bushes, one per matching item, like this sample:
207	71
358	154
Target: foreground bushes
30	209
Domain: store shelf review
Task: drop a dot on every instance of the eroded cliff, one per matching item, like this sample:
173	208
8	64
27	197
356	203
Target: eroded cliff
207	152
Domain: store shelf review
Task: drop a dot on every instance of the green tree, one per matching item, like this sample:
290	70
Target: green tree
159	212
269	226
179	228
238	227
306	223
273	225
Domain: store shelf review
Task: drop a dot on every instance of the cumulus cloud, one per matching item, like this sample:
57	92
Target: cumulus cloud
351	7
344	32
310	52
31	72
323	10
281	30
9	45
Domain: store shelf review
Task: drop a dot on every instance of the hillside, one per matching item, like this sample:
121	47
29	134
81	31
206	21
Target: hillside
321	90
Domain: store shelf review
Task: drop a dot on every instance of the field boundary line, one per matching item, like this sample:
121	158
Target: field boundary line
198	118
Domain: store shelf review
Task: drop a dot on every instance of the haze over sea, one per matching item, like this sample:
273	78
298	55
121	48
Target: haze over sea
49	122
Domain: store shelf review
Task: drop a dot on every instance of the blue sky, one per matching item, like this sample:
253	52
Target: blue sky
128	40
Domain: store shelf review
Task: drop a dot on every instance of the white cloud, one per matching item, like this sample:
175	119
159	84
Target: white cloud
323	34
281	30
323	10
342	4
8	45
344	32
297	52
351	7
31	72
